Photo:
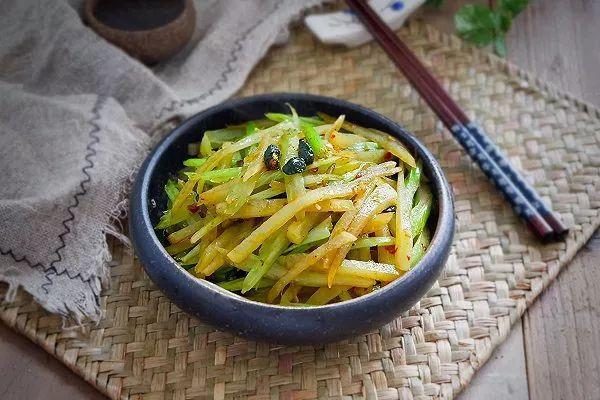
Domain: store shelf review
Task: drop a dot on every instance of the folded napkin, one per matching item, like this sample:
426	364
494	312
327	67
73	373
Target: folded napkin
77	117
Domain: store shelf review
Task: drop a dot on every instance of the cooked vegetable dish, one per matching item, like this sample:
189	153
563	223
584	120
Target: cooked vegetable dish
298	211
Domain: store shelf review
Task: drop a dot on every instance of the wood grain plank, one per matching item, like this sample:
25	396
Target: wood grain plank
504	376
28	372
561	333
558	41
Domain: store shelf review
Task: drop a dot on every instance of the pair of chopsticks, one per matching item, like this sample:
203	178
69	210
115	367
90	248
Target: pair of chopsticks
522	197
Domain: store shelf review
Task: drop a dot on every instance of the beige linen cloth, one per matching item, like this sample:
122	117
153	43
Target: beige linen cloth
77	117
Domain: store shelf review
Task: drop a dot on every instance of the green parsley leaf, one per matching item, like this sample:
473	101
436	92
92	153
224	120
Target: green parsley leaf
483	26
500	46
476	23
512	7
503	22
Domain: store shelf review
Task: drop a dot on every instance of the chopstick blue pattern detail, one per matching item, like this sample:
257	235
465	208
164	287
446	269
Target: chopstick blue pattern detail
492	171
500	159
528	192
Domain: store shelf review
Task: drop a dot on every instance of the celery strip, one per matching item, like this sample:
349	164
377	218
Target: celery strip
194	162
236	285
314	139
373	242
268	253
420	247
420	212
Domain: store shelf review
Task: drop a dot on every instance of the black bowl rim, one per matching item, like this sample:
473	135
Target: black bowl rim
441	239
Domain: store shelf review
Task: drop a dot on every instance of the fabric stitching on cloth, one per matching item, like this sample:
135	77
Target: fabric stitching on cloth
91	152
224	78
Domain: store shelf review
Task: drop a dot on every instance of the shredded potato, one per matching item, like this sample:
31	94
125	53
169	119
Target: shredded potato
298	211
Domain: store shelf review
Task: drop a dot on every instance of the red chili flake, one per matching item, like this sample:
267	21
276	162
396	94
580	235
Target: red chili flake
387	156
315	169
358	175
332	136
193	208
408	257
391	248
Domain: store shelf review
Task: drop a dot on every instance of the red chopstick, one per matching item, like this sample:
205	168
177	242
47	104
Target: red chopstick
521	196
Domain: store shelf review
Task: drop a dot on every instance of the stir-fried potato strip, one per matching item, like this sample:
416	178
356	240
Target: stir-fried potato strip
296	210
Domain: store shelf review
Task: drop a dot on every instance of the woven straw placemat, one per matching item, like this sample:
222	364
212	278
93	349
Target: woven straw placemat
146	347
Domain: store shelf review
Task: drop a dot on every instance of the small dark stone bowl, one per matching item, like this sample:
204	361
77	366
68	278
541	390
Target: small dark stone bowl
272	323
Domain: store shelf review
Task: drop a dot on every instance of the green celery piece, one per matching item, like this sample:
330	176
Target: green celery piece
420	247
373	242
217	175
221	175
209	226
295	118
320	178
324	162
302	247
269	176
267	194
194	162
420	212
239	194
284	145
235	158
168	219
232	286
374	156
165	220
205	146
237	284
294	184
268	253
279	117
364	146
222	273
219	136
351	175
250	128
172	191
193	254
315	121
412	182
317	234
314	139
241	144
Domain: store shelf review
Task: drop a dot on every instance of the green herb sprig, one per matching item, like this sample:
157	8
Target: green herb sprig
482	25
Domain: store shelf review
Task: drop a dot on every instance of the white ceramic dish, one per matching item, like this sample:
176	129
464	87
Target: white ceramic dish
343	27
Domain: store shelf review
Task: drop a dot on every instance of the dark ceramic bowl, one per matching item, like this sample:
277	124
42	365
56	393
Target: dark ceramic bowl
273	323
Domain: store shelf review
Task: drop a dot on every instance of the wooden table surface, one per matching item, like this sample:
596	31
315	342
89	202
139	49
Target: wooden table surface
555	352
